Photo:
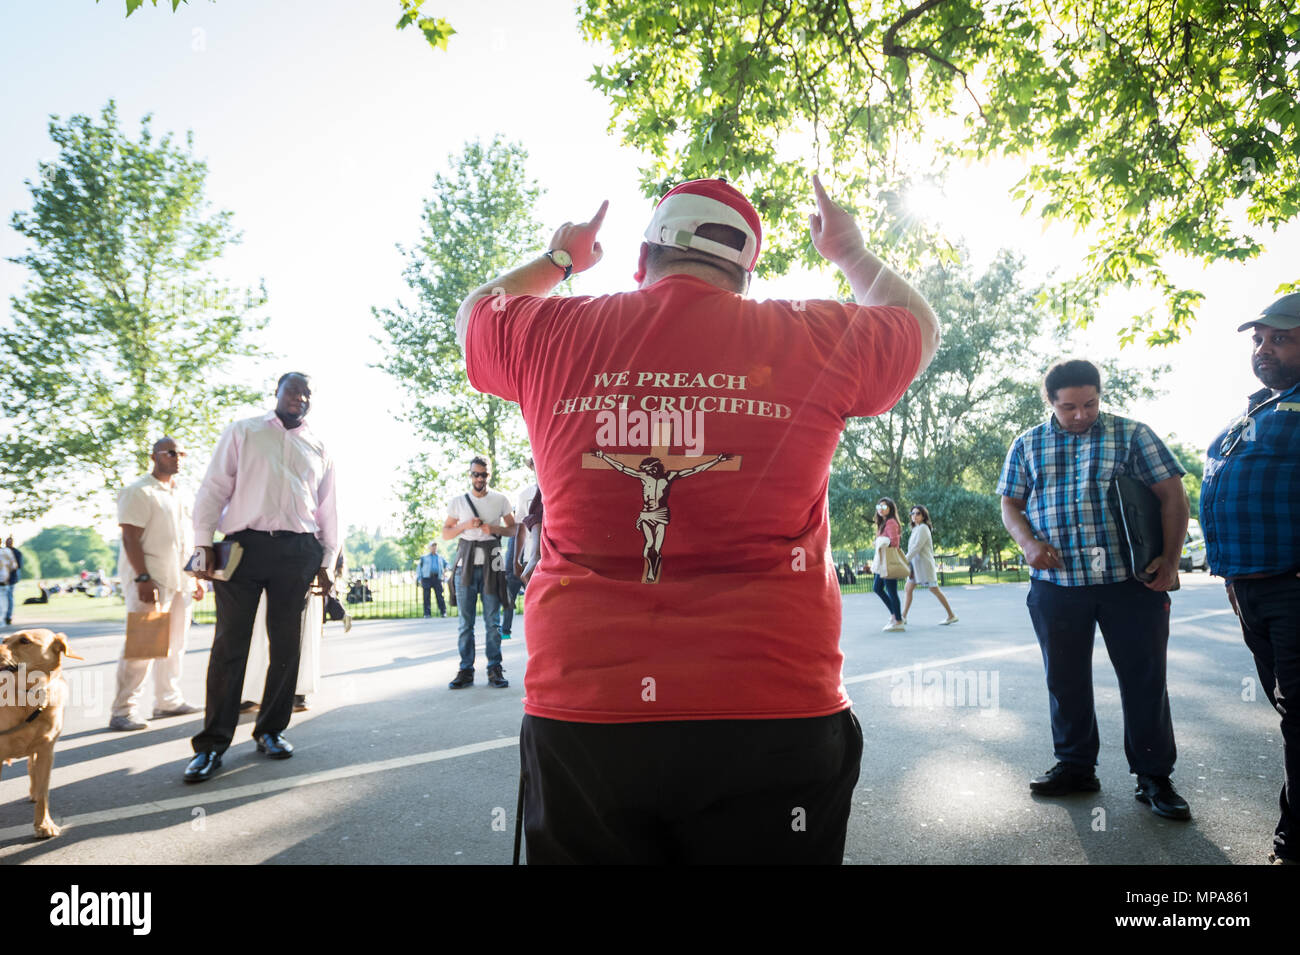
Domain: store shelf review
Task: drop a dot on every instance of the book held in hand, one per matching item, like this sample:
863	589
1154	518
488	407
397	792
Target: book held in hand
226	555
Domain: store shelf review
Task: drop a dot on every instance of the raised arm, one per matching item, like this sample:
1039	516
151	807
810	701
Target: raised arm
838	240
541	275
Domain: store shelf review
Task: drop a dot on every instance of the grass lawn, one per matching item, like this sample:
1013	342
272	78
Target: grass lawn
65	607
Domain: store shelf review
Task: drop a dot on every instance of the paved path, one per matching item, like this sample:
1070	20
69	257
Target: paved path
391	766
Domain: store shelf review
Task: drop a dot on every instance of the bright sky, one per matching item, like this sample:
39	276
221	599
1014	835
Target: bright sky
323	126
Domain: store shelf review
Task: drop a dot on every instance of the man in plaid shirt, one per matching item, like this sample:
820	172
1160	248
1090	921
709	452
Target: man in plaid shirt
1250	504
1054	486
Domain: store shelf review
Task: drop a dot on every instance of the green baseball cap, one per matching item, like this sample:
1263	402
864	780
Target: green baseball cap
1284	313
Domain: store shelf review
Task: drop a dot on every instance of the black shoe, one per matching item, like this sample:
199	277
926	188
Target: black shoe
463	679
202	766
495	678
1159	793
247	706
1065	778
274	745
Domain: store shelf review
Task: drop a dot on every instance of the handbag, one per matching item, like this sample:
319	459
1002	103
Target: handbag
896	567
147	635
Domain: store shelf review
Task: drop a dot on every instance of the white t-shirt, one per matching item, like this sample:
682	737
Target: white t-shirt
492	509
522	503
159	510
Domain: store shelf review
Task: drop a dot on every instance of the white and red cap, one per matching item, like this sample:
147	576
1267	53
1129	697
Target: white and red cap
701	201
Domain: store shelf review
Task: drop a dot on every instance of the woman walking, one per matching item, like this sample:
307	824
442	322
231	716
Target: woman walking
920	556
888	534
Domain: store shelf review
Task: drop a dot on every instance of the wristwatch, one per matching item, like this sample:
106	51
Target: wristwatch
561	260
142	578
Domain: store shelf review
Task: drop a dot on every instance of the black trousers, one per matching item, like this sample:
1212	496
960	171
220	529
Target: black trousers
692	792
433	583
1134	623
1269	609
283	566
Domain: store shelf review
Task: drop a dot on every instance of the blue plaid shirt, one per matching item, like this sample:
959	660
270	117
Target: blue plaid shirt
1250	498
1064	478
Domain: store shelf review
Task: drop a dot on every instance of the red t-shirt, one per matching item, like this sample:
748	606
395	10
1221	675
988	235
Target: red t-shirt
676	584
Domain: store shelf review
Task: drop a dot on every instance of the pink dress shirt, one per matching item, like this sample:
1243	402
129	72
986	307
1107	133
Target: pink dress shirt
264	477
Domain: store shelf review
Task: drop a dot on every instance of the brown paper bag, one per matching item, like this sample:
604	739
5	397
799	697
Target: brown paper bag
148	635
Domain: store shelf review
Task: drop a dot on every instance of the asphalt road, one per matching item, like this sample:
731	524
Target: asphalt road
392	767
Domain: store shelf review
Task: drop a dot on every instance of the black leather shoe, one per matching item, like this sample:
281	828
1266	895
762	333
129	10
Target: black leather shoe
1159	793
274	745
495	678
202	766
463	679
1064	778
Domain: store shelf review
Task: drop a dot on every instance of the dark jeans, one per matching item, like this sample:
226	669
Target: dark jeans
1269	609
513	586
283	566
435	584
886	589
689	792
1134	622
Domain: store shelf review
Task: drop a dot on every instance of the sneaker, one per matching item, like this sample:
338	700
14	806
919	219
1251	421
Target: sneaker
1159	793
1065	778
184	709
495	678
123	724
505	635
300	703
894	628
950	621
463	679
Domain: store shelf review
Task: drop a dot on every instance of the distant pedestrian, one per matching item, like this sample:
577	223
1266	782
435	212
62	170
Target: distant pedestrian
8	567
430	572
14	576
888	534
479	518
514	583
920	558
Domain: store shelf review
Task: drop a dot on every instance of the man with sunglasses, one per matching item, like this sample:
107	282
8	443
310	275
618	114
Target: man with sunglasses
1250	510
480	518
155	544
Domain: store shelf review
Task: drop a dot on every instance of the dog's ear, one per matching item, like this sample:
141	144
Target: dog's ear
60	643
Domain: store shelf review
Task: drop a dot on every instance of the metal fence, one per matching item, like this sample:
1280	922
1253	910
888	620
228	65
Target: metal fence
385	595
952	570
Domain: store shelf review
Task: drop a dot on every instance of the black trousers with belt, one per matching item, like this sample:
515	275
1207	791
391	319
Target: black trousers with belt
283	565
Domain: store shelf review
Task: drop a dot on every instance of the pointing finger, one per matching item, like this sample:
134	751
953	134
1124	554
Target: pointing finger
598	219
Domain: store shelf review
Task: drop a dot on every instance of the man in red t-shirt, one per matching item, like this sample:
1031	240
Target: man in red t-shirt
683	695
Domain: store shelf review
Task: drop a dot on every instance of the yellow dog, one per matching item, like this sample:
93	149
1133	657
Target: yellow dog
32	693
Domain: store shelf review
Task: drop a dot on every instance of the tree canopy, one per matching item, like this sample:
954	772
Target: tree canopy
120	335
477	224
1159	128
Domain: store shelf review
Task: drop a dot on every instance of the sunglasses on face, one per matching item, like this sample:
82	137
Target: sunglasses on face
173	454
479	474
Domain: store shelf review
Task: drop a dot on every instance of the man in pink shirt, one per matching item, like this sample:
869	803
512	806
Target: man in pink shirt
270	487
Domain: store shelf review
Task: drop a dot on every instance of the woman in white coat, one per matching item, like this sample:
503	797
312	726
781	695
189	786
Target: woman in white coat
920	557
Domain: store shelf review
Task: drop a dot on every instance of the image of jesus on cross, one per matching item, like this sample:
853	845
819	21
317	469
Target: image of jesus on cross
655	482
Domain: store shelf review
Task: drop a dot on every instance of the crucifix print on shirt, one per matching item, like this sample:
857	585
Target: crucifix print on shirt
657	473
